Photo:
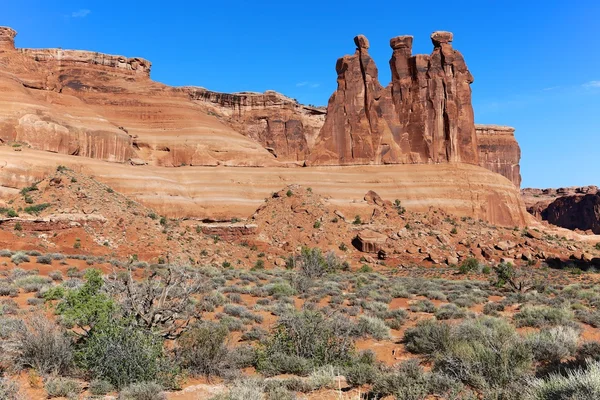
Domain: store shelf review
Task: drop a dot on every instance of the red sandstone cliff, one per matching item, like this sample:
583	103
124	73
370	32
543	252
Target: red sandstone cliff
499	151
82	109
423	116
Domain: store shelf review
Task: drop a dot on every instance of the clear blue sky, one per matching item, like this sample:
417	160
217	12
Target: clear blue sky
536	63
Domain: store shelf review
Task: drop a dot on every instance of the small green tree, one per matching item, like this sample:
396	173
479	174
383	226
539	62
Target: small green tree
85	307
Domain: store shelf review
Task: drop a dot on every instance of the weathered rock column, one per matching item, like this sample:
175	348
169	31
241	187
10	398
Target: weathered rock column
7	38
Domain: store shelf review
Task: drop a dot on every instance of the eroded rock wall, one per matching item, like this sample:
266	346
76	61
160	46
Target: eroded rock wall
499	151
280	124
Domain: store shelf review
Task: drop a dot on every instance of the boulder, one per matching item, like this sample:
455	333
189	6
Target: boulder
369	241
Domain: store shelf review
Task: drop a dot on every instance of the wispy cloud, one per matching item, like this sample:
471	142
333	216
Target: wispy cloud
81	13
308	84
592	85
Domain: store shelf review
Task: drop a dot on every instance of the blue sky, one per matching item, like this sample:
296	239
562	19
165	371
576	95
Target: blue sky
536	63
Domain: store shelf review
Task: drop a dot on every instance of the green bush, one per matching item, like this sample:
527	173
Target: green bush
492	308
123	355
36	209
469	265
62	387
143	391
304	340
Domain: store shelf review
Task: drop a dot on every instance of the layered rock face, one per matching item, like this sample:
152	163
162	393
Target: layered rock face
423	116
499	151
106	107
280	124
103	115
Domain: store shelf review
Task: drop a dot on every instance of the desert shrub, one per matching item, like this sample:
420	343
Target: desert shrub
56	275
449	311
99	387
358	374
540	316
32	283
9	389
435	295
554	344
469	265
33	301
143	391
304	340
10	326
8	290
372	326
422	306
203	349
407	382
255	333
313	264
244	389
6	253
19	258
588	351
575	384
123	355
322	378
44	260
62	387
42	345
9	306
492	308
484	353
427	337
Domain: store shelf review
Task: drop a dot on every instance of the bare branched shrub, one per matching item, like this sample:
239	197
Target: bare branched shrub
163	301
42	345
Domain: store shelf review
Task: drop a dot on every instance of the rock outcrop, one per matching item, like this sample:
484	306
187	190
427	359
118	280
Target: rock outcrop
280	124
576	208
7	38
499	151
424	116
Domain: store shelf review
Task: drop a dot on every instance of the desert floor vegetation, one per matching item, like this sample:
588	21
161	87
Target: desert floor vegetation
303	330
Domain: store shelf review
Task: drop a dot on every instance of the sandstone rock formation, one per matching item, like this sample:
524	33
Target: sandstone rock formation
280	124
106	107
576	208
103	115
499	151
423	116
223	193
